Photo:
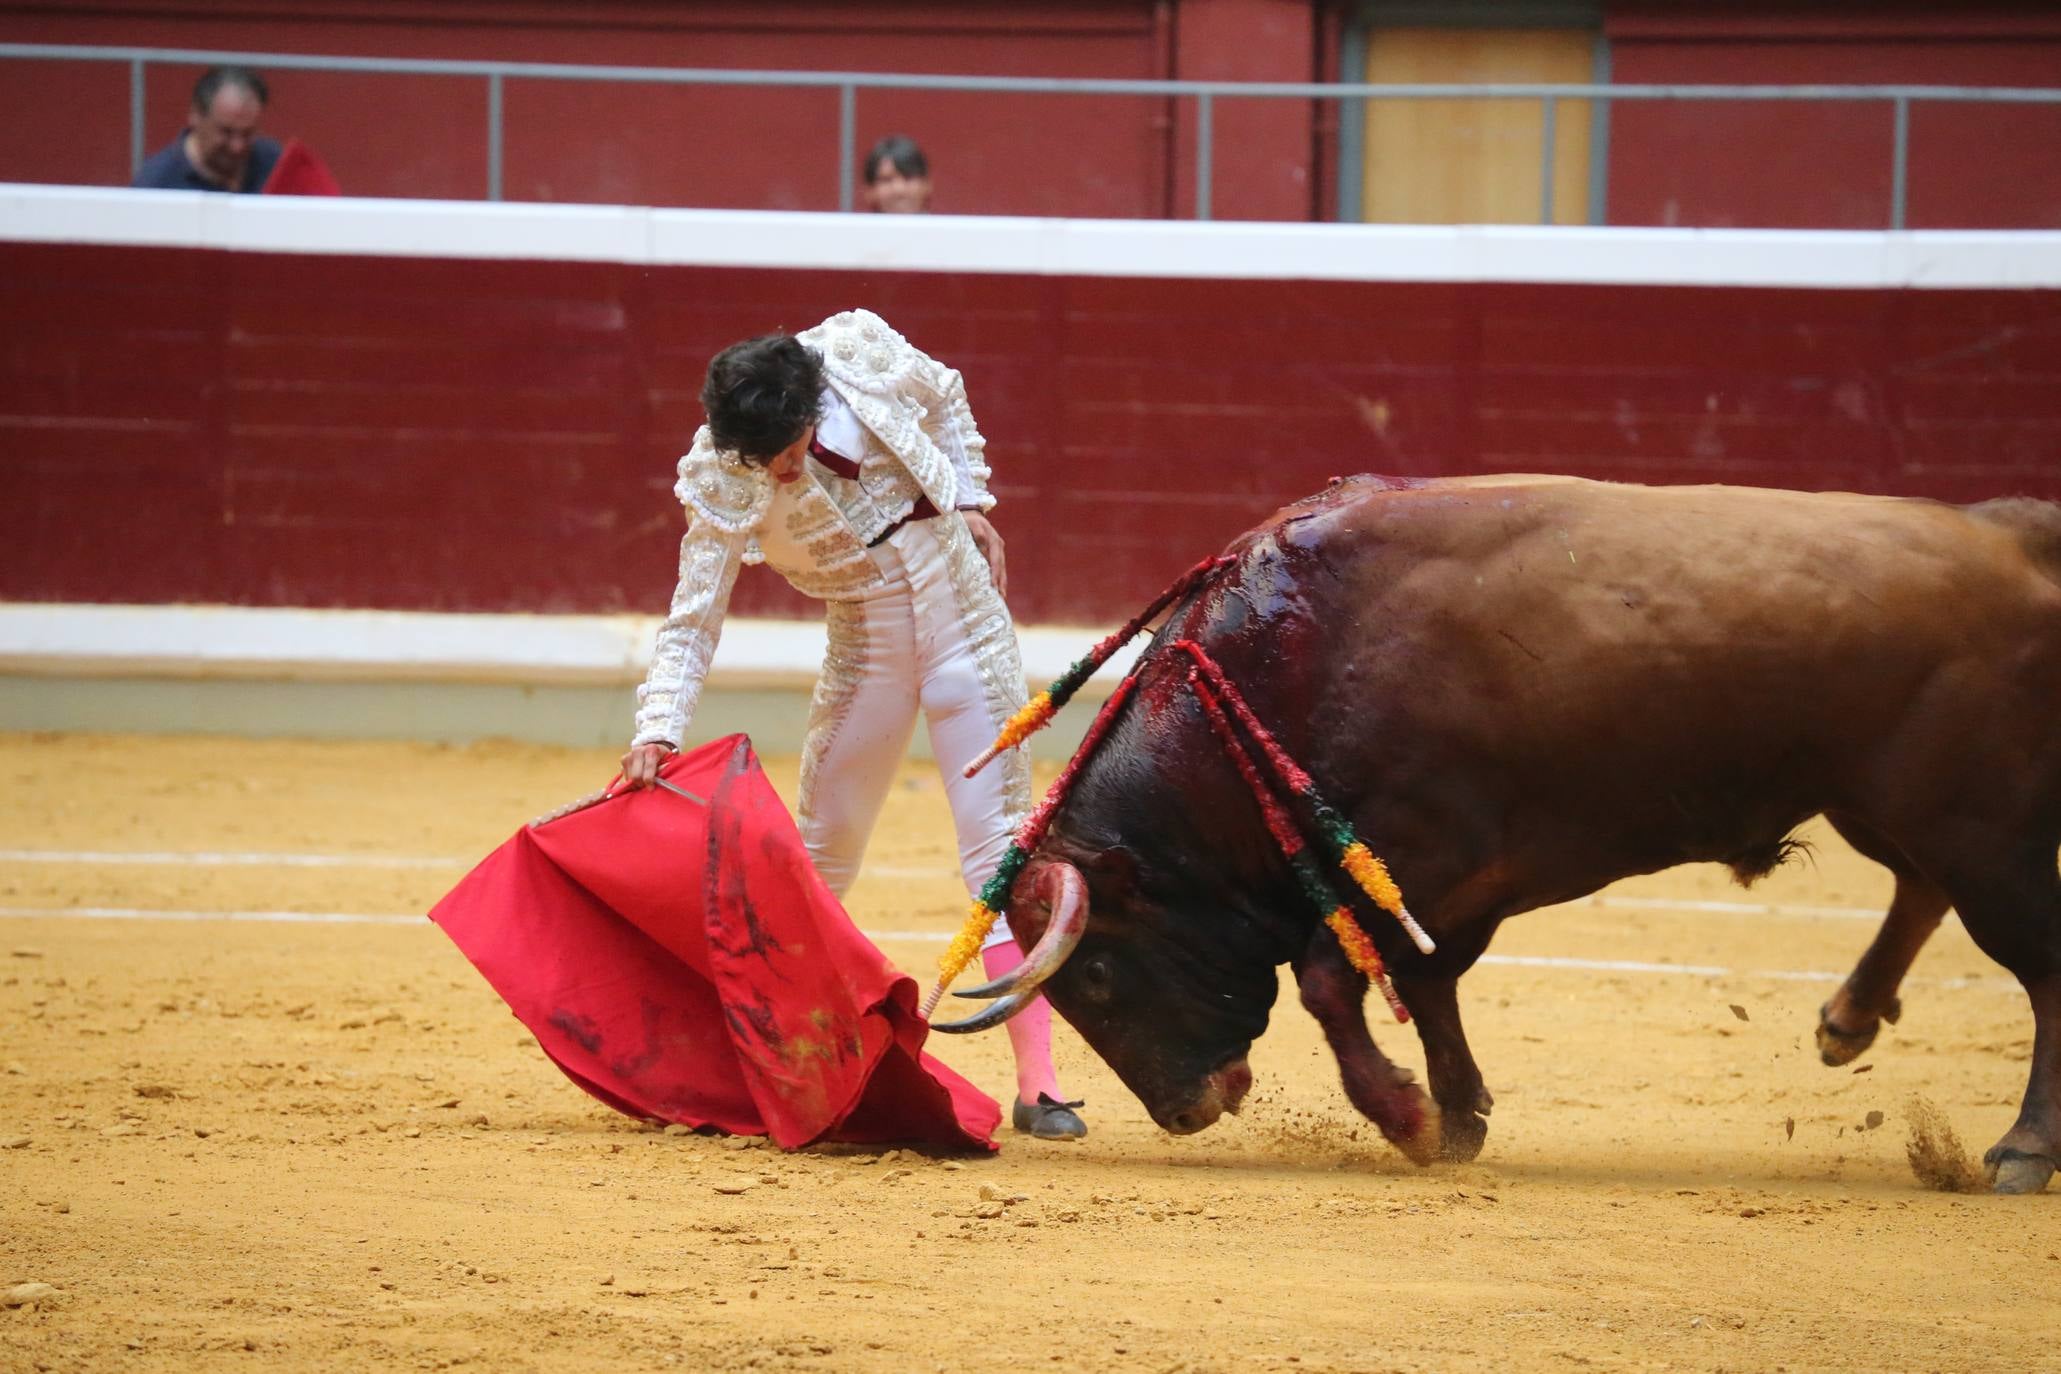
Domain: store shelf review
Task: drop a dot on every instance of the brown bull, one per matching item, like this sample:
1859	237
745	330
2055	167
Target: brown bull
1522	689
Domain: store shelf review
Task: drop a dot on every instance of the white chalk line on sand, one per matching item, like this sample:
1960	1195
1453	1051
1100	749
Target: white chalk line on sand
135	913
206	858
310	918
1723	908
1535	961
269	859
210	858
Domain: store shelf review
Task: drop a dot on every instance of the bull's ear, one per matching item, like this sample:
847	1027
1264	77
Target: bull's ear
1112	873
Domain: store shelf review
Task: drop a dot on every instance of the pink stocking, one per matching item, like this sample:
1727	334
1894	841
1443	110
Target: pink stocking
1030	1031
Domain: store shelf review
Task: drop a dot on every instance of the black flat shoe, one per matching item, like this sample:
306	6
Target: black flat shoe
1049	1119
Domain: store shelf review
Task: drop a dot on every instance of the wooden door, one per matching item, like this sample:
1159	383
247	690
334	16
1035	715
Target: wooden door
1474	161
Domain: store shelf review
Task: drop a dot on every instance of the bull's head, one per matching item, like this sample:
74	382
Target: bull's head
1170	997
1156	906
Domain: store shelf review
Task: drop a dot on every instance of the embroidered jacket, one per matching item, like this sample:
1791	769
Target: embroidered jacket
919	440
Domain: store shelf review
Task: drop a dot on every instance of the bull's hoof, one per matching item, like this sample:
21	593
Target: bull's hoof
1461	1134
1837	1047
2017	1171
1425	1145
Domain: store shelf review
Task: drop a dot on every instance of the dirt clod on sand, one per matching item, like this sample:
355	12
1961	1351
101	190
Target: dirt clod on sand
1937	1156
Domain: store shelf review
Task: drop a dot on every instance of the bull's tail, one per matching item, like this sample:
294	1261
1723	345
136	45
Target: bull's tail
2037	524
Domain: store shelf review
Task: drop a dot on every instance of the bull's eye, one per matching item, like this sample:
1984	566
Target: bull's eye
1098	980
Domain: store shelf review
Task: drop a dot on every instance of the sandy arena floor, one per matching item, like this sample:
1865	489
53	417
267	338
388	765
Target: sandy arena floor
279	1145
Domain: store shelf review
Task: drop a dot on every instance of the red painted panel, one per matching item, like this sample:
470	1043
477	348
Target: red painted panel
275	430
990	154
65	122
1263	149
1013	154
718	147
638	144
1821	165
402	136
1987	166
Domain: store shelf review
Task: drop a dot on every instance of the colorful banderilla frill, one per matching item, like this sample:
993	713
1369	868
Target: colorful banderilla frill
1347	849
994	894
1039	712
1359	950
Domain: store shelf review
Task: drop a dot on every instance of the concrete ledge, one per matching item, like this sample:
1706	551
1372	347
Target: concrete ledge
414	675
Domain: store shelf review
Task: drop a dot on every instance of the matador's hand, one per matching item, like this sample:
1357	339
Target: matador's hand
641	764
990	545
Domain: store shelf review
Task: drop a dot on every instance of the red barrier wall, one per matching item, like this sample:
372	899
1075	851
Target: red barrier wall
269	429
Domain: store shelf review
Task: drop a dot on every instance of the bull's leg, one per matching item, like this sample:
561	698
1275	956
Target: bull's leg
1849	1022
1463	1099
2017	922
2026	1157
1384	1092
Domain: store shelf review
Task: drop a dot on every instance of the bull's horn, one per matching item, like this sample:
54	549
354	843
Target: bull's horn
989	1016
1061	887
1066	892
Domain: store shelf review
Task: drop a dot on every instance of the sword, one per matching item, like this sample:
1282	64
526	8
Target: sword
680	791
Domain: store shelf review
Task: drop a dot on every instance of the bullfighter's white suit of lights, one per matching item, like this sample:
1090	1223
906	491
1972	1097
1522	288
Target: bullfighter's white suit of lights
914	618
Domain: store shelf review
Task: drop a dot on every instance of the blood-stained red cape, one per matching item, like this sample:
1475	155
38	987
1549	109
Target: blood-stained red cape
681	960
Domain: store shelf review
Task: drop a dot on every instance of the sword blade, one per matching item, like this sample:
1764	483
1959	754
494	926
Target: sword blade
681	791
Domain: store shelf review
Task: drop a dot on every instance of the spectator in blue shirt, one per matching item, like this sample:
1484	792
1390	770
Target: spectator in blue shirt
220	149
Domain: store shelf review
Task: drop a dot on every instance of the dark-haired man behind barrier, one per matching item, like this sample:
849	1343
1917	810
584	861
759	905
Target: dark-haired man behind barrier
220	148
897	177
848	461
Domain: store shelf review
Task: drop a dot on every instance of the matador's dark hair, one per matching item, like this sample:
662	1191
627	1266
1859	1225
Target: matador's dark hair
761	394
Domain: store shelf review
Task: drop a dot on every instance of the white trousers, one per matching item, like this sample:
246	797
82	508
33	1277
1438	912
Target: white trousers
933	638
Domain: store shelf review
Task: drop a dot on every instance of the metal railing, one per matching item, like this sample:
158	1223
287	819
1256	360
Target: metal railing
1204	93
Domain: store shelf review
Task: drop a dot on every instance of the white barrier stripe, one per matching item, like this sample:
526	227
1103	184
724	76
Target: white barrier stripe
296	644
642	236
1534	961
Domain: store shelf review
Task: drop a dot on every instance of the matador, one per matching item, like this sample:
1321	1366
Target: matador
848	461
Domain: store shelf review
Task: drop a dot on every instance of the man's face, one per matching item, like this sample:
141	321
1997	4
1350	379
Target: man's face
223	134
892	193
786	465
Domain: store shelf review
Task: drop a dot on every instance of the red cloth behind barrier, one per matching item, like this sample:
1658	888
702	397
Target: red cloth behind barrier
682	961
300	173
